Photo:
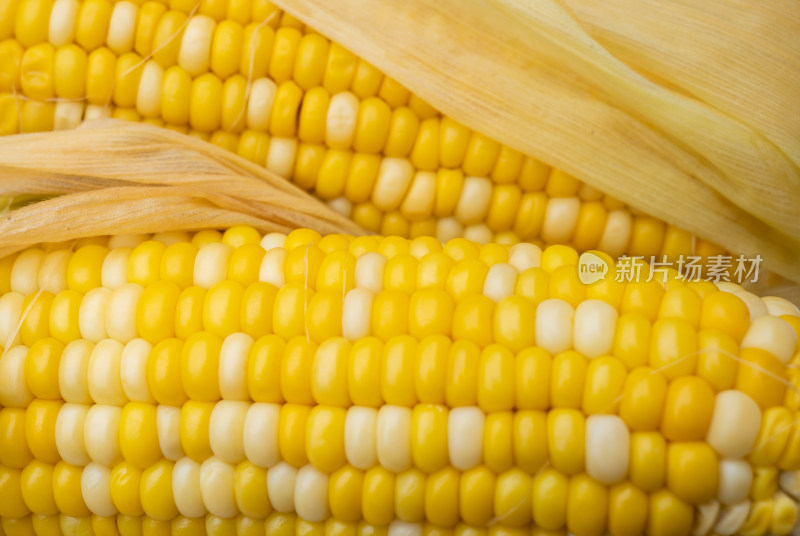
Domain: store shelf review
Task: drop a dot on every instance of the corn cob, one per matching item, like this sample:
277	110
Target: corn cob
255	80
233	383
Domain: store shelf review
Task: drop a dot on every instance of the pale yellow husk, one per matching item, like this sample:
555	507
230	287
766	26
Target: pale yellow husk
115	177
656	135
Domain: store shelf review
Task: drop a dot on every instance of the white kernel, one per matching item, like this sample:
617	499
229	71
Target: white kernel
735	478
311	494
772	334
233	366
369	271
357	314
464	430
271	270
104	374
478	233
133	371
148	97
595	325
114	272
69	434
273	240
217	487
554	321
25	272
607	448
281	155
96	490
393	444
340	123
735	423
168	427
186	488
226	430
122	27
62	22
195	51
501	279
259	105
524	256
73	371
92	314
560	219
68	115
360	434
211	264
53	271
448	229
402	528
617	233
260	437
394	177
474	201
341	205
121	312
96	111
777	306
754	304
280	487
101	434
14	390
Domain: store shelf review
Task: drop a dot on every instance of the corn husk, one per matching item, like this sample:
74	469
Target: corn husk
531	76
115	177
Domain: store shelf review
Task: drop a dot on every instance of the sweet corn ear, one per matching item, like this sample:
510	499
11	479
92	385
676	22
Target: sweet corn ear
300	384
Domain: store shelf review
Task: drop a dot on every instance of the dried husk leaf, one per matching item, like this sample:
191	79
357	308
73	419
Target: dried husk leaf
116	177
527	74
745	64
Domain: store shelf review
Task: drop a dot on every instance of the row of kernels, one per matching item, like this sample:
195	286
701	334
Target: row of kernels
550	499
150	261
323	322
125	26
370	372
76	372
733	428
276	524
677	318
367	372
427	437
152	97
680	476
206	429
20	114
199	43
164	34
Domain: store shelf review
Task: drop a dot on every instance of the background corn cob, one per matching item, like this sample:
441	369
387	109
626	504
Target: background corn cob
220	383
256	81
